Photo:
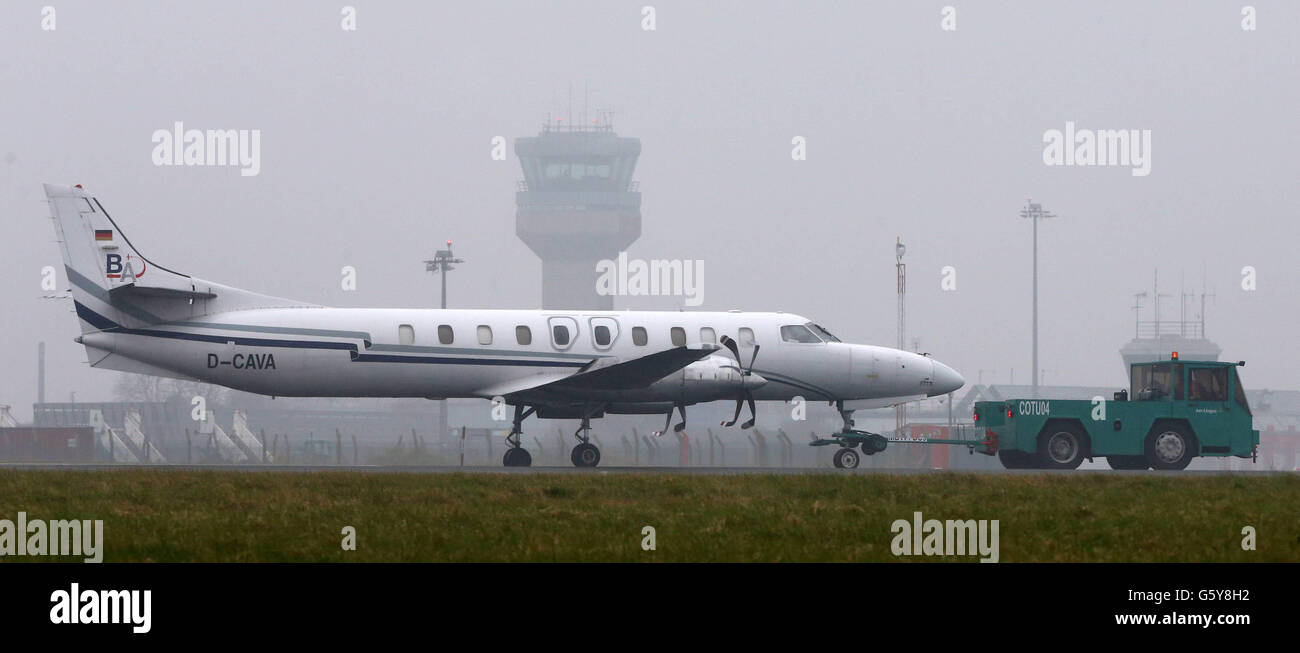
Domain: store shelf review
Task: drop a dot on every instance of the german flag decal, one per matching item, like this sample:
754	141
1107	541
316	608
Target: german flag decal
103	234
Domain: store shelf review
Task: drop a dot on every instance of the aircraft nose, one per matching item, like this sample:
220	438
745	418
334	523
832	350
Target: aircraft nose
945	380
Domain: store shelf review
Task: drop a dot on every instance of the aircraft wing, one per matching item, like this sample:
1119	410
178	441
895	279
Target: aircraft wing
521	384
633	374
600	375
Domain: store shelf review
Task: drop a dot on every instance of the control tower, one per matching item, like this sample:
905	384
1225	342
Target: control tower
577	205
1156	339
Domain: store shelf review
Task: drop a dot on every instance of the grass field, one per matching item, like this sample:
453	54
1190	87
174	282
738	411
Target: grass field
298	516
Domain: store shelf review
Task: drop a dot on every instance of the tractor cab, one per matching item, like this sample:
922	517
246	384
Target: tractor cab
1196	381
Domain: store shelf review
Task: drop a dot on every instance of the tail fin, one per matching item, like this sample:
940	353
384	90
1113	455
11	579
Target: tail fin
114	285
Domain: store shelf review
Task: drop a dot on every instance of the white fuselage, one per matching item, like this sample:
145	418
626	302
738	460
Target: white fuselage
481	353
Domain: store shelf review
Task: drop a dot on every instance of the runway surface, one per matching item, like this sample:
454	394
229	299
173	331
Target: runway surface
688	471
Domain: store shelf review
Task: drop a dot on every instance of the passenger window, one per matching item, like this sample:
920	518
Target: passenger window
405	334
746	336
560	334
639	337
484	334
798	333
678	336
601	333
445	334
1209	384
707	335
523	335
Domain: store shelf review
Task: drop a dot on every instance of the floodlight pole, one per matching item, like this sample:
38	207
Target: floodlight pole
441	262
900	411
1034	211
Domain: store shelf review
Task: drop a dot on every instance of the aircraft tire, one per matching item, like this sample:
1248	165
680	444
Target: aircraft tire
585	455
517	457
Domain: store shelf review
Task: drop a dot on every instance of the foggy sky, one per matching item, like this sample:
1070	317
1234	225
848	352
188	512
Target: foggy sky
376	144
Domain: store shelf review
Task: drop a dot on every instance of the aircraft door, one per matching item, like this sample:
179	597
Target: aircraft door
564	331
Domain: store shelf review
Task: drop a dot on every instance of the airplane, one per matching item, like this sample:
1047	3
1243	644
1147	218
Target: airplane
139	316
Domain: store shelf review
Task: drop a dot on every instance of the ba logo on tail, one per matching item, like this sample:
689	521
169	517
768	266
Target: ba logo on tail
113	266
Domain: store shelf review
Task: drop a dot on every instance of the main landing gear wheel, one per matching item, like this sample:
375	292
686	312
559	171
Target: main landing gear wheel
517	457
846	458
585	455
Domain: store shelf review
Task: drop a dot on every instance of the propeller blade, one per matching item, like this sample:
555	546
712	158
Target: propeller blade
731	344
752	358
678	428
667	421
753	416
735	417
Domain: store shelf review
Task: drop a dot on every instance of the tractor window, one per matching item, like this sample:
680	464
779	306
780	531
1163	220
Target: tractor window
1239	393
1151	381
1209	384
1178	381
1140	378
1160	381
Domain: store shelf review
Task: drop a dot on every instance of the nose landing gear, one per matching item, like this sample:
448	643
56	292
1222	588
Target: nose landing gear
846	458
849	439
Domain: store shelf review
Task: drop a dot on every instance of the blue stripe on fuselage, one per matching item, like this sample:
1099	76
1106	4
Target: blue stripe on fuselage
103	323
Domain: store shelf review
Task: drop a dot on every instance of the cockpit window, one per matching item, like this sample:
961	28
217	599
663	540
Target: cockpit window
798	333
825	335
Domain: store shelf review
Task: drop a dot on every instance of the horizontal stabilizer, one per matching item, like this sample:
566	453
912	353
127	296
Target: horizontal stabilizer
133	290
